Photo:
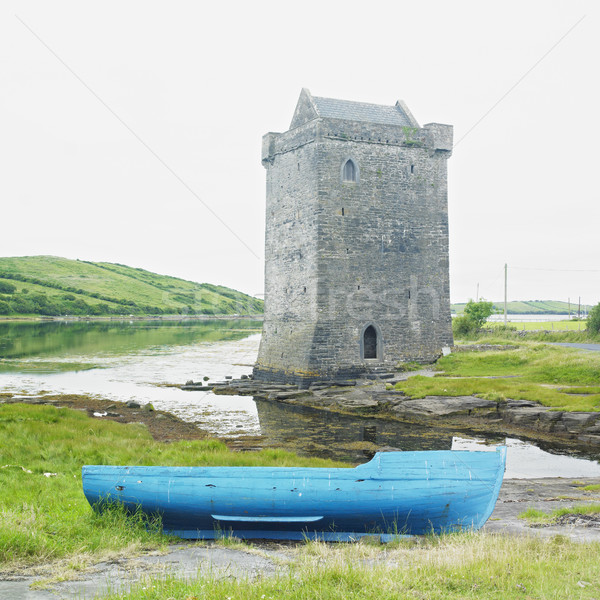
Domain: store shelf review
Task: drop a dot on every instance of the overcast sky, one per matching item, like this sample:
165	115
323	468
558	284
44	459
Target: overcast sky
131	132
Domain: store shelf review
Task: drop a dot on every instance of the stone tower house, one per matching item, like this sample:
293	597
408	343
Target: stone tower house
356	253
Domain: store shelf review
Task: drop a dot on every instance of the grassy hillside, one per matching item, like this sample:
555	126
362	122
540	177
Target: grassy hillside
50	285
531	307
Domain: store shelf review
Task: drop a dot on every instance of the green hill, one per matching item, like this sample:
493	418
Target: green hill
531	307
50	285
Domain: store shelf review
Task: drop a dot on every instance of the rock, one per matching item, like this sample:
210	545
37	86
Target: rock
592	440
244	377
148	407
111	407
594	429
288	395
576	421
520	403
354	402
525	416
205	378
548	419
228	377
444	405
132	404
196	388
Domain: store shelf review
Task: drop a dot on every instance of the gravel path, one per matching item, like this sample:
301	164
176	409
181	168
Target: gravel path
590	347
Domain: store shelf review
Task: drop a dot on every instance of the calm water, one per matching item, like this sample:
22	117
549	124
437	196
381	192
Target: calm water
135	360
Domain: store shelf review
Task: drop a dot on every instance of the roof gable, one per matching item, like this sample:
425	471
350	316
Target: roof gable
312	107
305	109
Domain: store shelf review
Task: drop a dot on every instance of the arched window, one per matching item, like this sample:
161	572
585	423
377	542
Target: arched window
349	171
370	342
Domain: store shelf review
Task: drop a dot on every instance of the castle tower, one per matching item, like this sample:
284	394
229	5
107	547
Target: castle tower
356	252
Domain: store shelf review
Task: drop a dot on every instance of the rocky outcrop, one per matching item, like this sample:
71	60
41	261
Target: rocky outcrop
516	417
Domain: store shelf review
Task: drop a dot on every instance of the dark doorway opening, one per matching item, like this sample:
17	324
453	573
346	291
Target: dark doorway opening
370	342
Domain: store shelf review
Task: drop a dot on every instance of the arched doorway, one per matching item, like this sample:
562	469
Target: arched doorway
370	342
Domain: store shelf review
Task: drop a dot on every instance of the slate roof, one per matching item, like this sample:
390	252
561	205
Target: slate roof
360	111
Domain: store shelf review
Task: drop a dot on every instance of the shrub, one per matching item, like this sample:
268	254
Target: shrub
7	288
593	321
4	308
462	326
478	312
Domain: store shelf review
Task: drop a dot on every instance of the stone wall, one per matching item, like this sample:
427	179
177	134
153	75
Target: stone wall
341	256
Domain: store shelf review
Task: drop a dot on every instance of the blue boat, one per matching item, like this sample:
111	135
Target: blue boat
395	493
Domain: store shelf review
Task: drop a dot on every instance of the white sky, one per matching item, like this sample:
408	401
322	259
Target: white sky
199	83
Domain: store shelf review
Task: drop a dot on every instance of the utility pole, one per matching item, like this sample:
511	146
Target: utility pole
505	290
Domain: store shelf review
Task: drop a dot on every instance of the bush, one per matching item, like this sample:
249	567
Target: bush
462	326
478	312
593	321
473	319
7	288
4	308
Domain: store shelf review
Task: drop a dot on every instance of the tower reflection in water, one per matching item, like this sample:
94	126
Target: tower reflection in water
312	432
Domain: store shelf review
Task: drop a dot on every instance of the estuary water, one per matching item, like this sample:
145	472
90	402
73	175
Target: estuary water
144	360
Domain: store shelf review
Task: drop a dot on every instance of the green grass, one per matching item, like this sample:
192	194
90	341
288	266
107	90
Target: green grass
50	285
565	325
532	371
445	568
533	515
46	518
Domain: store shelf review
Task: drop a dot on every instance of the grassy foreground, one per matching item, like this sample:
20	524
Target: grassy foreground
563	378
44	515
449	567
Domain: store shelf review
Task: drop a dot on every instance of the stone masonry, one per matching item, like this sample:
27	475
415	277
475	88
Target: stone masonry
356	252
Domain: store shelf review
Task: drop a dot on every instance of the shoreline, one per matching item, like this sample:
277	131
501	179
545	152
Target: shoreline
92	318
373	398
163	426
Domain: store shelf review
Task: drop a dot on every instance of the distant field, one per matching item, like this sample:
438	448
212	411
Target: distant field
565	325
50	285
531	307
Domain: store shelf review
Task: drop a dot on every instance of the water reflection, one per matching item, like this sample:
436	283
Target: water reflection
93	339
312	432
321	433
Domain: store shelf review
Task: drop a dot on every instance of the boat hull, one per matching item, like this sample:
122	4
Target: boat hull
396	493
